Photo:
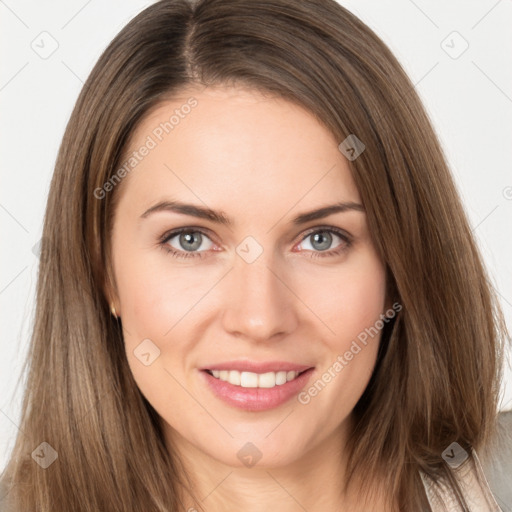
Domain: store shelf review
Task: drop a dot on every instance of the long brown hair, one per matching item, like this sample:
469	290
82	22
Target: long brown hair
439	368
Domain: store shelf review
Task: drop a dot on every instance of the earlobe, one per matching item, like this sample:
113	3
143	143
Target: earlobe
109	289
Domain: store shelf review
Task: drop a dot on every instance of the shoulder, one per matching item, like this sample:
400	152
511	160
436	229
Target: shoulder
497	461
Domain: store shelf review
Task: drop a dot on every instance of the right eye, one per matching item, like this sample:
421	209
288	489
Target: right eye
186	243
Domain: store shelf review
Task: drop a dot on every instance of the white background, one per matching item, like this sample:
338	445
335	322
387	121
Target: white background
469	99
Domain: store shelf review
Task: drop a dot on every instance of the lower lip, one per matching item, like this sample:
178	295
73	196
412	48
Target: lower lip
256	399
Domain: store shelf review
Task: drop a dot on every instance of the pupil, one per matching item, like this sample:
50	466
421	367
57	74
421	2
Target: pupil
193	240
322	235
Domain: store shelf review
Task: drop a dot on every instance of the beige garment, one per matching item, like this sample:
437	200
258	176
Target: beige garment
474	486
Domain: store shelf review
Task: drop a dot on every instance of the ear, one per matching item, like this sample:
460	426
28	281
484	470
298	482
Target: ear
110	293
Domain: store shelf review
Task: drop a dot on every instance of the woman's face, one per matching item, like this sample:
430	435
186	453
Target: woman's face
257	281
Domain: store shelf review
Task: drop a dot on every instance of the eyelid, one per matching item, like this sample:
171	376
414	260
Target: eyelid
338	231
208	232
171	233
164	239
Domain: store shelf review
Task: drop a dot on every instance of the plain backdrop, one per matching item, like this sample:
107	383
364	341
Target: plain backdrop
457	54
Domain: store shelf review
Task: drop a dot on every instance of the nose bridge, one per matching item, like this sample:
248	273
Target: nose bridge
258	304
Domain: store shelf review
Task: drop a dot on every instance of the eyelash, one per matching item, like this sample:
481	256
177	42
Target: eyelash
199	254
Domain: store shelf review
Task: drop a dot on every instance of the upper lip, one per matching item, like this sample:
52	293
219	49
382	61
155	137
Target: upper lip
257	367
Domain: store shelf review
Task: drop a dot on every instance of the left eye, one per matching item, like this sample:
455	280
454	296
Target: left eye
321	240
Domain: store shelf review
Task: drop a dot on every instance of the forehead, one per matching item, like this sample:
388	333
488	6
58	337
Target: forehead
238	144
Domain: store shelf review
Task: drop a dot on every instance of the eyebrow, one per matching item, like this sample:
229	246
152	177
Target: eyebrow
220	218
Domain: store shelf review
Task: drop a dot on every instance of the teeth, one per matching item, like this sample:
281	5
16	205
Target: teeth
234	377
255	380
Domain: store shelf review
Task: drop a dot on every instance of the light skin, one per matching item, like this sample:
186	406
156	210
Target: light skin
262	161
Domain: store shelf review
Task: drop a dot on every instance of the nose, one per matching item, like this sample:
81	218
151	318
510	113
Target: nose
259	302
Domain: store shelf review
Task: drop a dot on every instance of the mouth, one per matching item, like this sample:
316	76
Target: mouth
246	379
254	391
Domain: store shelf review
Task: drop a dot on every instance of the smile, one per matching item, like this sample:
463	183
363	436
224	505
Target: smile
255	380
256	392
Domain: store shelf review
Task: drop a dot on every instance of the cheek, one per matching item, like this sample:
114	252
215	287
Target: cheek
153	302
156	295
354	321
160	303
349	299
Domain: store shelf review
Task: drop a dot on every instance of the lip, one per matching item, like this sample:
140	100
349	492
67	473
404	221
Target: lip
257	367
256	399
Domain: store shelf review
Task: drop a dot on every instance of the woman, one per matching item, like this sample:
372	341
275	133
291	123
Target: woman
263	292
